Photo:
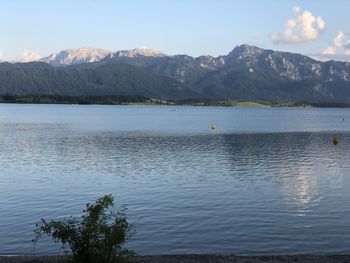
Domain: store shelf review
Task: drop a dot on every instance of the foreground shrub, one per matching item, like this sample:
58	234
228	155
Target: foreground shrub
99	236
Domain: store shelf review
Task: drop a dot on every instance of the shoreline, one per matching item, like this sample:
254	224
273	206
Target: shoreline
195	259
140	100
131	104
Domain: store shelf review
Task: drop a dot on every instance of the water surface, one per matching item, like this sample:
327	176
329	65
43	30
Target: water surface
266	181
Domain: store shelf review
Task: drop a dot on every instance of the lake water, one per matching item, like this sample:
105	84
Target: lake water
266	181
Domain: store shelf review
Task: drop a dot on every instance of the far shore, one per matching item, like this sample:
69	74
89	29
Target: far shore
195	259
140	100
126	100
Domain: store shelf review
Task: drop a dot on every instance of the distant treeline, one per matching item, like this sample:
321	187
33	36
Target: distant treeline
57	99
321	104
136	99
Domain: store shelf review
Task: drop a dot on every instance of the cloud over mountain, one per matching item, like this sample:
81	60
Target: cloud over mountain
338	40
27	56
339	48
304	27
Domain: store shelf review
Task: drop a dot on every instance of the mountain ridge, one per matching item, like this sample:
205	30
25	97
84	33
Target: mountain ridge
90	55
75	56
245	73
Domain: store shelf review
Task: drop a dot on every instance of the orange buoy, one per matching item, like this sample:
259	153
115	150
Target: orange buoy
335	140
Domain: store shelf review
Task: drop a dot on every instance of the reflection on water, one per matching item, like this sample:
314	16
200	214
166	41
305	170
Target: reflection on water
187	192
301	191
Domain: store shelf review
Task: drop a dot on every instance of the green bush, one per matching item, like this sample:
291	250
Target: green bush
99	236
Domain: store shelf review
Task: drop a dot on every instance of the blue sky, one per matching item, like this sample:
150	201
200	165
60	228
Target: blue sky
193	27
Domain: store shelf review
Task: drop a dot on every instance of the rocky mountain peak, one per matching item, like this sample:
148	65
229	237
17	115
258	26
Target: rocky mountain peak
143	51
76	56
245	51
210	62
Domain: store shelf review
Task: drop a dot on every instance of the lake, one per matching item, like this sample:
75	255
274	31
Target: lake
266	181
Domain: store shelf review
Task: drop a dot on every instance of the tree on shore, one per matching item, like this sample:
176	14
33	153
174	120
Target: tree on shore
98	236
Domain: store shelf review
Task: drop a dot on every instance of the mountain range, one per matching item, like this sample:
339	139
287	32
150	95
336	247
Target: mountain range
247	73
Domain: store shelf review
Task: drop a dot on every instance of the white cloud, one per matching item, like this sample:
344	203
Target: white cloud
296	9
338	40
341	44
339	49
321	24
303	27
28	56
329	51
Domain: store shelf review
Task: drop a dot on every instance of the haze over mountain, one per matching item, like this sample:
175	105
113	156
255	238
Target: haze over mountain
246	73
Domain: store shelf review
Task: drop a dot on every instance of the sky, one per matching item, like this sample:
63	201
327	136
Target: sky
30	29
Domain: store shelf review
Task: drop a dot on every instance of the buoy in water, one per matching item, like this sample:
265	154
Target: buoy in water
213	126
335	140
